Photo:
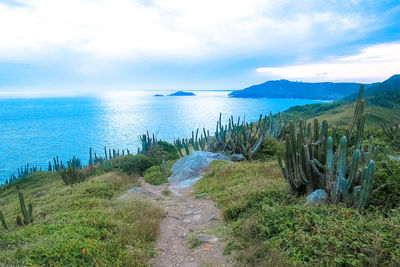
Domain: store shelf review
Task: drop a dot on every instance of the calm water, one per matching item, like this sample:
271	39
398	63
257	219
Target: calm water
35	130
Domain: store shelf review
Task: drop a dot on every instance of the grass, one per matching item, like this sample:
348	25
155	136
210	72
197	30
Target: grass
268	226
158	174
79	225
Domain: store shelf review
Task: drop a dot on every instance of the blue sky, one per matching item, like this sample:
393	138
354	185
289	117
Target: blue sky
85	46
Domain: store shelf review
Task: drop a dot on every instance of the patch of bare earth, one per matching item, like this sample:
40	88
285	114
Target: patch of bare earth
187	218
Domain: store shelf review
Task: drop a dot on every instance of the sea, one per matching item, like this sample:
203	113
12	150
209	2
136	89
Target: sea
35	130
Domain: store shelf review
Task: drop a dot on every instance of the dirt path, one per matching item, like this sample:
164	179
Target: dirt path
187	218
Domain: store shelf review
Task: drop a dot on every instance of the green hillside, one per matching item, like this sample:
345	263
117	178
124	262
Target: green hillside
383	104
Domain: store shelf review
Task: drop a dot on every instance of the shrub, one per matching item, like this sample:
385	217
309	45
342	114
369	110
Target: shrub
72	175
157	175
163	152
270	147
386	192
132	164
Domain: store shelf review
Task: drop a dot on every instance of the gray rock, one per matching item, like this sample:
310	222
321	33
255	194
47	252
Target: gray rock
135	189
237	157
316	198
191	211
207	238
40	194
190	168
212	218
394	158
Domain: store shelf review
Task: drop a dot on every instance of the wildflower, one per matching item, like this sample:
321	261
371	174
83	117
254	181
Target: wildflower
83	251
364	235
289	234
348	213
91	242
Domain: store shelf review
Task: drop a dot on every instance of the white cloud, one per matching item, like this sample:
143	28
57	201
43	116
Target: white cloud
179	29
374	63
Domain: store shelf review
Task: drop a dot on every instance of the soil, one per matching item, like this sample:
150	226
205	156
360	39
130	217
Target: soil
187	217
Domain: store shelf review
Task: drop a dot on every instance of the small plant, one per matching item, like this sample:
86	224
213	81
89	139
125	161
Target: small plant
72	175
3	221
166	192
27	213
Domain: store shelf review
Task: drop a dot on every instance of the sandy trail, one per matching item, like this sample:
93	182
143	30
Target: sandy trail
187	216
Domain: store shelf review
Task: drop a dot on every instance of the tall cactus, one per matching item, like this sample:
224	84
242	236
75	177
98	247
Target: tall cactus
3	221
28	218
310	162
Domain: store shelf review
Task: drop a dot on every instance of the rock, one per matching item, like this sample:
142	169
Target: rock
316	198
191	212
40	194
135	189
237	157
196	217
212	218
186	221
190	168
394	158
211	239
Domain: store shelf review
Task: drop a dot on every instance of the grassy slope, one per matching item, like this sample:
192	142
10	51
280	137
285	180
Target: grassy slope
80	225
267	225
382	104
341	112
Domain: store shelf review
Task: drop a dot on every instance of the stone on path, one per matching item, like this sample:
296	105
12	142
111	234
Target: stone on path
207	238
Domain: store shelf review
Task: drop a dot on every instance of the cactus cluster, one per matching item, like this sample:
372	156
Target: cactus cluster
310	161
27	213
243	137
148	142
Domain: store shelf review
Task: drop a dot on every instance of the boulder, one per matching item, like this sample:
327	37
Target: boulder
190	168
316	198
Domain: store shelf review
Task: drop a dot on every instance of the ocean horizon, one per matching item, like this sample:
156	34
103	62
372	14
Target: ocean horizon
35	130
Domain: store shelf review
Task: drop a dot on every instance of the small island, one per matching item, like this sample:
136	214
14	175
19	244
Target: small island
182	93
158	95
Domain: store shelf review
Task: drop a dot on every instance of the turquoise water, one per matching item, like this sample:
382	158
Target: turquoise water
36	130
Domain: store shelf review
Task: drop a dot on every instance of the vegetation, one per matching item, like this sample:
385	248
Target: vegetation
267	225
132	164
158	174
83	225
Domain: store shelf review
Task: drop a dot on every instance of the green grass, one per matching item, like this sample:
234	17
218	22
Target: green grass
79	225
267	225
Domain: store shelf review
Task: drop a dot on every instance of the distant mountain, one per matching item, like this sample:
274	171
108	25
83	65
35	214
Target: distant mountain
382	104
304	90
182	93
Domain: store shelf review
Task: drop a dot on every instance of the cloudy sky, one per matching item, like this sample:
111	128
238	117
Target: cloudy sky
65	46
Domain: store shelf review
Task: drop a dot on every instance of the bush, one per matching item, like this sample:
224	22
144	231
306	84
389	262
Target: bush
72	175
386	191
157	175
270	147
163	152
132	164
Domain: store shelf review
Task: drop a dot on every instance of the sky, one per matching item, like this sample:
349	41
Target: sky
54	47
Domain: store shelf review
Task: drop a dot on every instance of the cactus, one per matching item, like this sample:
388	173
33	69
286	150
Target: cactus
3	221
311	164
28	218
